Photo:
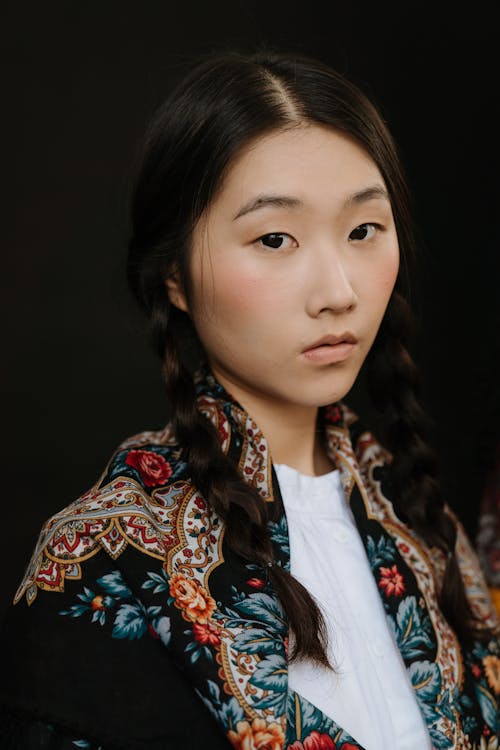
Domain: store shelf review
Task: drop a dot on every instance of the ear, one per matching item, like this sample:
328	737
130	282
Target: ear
175	293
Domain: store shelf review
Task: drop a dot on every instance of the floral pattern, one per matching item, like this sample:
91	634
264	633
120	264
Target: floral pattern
317	741
391	581
257	734
491	666
130	618
219	616
194	601
153	468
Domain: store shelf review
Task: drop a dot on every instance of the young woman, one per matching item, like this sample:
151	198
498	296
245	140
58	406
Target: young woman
264	572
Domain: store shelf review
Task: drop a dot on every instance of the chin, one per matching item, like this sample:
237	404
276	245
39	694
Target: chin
332	387
323	397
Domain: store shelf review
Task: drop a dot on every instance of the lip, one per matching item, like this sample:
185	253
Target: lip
331	340
331	349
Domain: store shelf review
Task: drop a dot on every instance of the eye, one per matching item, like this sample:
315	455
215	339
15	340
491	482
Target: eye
364	231
274	240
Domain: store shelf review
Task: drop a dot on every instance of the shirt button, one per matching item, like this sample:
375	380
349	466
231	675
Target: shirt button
378	647
341	535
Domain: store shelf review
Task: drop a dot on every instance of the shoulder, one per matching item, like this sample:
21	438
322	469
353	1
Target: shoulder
150	458
134	503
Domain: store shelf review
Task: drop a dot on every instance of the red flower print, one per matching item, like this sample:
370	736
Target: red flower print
391	581
476	671
317	741
285	643
153	468
333	414
404	548
256	583
152	631
200	503
206	634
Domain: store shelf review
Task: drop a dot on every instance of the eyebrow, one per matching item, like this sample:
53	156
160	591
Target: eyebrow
288	201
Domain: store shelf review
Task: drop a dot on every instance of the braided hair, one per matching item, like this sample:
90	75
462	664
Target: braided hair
394	386
227	100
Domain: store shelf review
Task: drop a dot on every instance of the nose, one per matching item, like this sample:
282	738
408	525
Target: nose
329	285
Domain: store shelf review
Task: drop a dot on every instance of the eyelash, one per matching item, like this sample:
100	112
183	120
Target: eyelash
378	227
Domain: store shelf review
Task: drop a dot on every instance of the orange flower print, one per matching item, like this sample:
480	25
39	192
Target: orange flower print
97	603
206	634
195	602
391	581
257	736
492	671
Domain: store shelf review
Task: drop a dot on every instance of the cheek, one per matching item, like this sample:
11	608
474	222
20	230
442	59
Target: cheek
374	288
384	276
240	294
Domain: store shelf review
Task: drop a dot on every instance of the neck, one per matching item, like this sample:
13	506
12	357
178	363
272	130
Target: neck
291	430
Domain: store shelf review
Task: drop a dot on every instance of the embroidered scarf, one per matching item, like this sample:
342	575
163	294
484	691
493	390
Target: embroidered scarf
218	615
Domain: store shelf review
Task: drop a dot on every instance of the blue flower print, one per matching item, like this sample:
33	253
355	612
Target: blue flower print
131	619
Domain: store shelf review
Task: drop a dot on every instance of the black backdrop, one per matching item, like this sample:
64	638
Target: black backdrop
78	83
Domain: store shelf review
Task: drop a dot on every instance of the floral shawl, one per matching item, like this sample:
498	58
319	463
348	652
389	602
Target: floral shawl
135	626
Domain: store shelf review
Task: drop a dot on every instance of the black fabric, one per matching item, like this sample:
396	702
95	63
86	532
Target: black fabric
114	693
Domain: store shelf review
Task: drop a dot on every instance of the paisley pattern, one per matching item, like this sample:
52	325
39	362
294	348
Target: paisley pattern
218	615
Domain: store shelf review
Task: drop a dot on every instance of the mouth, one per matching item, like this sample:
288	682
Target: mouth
331	340
331	349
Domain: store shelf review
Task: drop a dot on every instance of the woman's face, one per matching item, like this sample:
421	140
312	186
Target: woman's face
298	244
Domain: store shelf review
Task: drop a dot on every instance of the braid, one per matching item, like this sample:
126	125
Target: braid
393	384
238	504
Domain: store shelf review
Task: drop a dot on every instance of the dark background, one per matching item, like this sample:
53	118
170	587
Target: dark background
79	81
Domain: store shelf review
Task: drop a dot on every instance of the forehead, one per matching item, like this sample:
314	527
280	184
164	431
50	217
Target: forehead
315	163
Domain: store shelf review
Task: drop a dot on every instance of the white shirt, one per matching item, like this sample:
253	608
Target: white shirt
370	694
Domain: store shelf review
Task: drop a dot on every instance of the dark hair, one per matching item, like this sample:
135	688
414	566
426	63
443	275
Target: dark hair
228	99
